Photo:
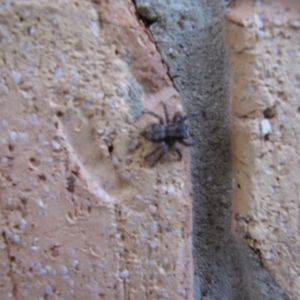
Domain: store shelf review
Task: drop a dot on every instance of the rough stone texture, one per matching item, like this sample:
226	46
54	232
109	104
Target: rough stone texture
263	42
82	215
189	37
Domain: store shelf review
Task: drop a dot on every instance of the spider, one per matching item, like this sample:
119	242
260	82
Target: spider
167	133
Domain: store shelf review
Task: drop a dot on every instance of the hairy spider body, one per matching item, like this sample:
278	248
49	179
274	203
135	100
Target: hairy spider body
167	133
159	133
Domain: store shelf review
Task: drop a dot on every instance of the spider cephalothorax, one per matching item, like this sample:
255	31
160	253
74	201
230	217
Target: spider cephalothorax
167	133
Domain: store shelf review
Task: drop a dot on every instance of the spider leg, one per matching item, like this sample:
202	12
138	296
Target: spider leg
164	147
148	156
187	143
166	112
177	151
177	118
161	120
165	150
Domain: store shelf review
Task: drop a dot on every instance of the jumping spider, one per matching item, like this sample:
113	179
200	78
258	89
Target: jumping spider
167	133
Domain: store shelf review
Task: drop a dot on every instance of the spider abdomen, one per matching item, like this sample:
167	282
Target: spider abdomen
155	132
167	133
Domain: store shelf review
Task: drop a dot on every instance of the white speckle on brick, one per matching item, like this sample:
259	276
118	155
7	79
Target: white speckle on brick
49	160
23	135
123	90
100	95
153	244
36	240
22	223
16	76
74	77
269	256
103	265
3	265
4	160
258	21
36	266
54	20
101	192
13	135
111	103
152	228
153	208
183	293
16	239
70	293
48	289
277	21
7	4
164	294
31	30
42	271
139	197
136	219
152	263
124	274
9	202
265	127
4	123
161	271
171	189
71	283
72	252
118	236
294	23
46	189
75	263
64	270
57	74
48	268
115	160
272	190
61	56
34	248
26	46
167	212
133	144
41	203
96	288
55	145
34	119
150	171
95	27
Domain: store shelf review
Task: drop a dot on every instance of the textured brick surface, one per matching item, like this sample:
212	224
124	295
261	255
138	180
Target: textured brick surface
82	215
263	42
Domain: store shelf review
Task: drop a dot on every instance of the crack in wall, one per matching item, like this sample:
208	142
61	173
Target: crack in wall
144	15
